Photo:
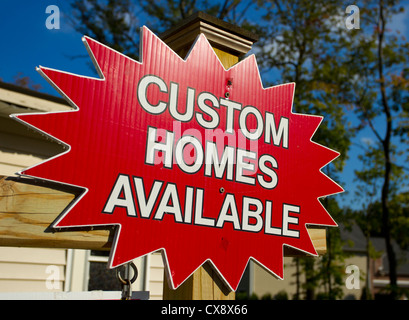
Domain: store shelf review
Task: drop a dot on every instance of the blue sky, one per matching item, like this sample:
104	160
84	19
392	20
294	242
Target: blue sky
26	43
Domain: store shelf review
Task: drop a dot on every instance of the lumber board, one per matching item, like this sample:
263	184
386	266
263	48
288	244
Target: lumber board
27	209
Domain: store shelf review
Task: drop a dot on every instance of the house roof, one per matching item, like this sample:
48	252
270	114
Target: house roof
17	99
402	256
353	237
30	92
355	242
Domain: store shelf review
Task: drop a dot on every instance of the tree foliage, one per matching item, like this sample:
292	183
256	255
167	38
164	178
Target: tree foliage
298	42
379	68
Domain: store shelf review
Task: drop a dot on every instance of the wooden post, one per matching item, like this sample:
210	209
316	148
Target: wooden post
230	42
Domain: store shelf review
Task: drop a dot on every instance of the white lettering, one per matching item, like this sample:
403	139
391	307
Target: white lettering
53	20
269	172
121	196
251	210
146	206
53	281
169	204
199	219
352	281
352	21
142	94
256	214
165	147
201	103
268	228
279	136
231	106
256	134
180	154
219	165
287	220
229	204
242	165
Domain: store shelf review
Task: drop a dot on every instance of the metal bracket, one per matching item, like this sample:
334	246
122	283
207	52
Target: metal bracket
127	281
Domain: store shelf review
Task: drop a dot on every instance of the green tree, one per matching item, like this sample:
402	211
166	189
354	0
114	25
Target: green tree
331	267
300	42
113	23
378	73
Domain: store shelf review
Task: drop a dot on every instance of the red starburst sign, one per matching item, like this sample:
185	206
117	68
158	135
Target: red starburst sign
187	157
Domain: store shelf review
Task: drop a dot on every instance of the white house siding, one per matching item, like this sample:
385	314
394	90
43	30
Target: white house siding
156	276
32	269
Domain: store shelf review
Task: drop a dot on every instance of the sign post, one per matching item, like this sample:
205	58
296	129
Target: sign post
191	156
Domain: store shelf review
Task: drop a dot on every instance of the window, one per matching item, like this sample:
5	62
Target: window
100	276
